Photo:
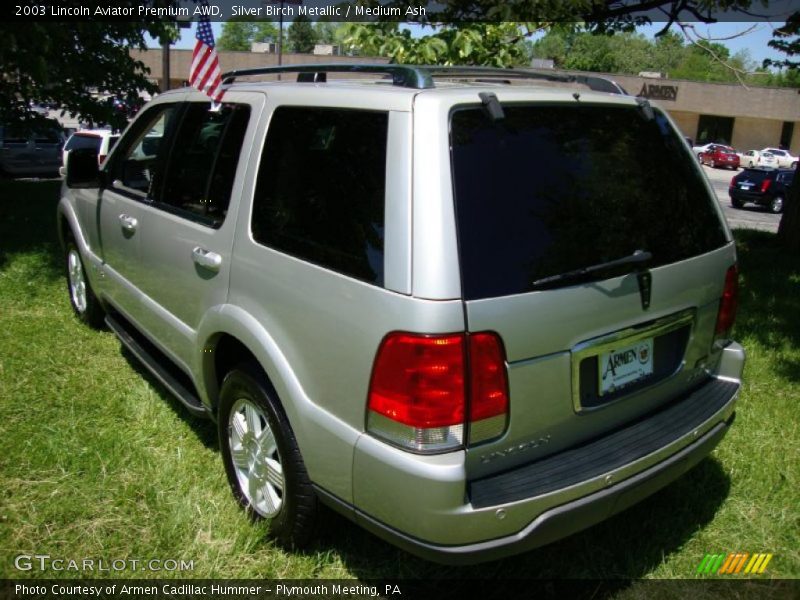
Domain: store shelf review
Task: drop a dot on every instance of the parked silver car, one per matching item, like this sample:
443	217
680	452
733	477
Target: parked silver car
391	308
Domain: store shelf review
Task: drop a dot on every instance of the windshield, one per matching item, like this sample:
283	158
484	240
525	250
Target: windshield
552	189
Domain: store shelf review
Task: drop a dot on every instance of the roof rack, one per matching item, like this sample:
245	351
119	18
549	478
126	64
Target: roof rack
421	77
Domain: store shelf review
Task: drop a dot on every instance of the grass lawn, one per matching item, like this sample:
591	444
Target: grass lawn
96	459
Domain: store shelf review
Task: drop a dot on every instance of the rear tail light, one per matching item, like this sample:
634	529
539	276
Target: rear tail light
728	303
488	407
733	182
765	185
100	159
425	390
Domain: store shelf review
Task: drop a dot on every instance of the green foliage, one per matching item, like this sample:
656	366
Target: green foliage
498	45
239	34
786	39
329	33
64	63
631	53
301	35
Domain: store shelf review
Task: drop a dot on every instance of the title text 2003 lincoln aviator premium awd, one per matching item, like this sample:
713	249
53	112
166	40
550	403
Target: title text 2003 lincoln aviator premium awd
473	310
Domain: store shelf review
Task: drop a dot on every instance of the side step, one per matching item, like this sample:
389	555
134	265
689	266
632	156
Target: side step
159	365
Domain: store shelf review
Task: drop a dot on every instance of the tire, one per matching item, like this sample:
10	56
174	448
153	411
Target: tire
794	165
262	461
736	203
776	205
84	303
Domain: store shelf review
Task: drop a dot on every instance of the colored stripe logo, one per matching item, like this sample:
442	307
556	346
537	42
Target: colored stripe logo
734	563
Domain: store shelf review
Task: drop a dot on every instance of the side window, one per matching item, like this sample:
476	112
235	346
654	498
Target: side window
138	167
203	164
320	189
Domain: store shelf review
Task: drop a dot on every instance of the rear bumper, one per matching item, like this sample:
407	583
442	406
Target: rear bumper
424	504
754	197
564	520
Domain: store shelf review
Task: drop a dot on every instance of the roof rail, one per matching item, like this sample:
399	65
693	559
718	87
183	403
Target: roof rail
402	75
421	77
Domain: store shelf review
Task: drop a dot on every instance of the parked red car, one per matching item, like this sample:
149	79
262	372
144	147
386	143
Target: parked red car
720	156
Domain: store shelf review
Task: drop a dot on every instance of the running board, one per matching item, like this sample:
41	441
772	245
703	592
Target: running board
148	359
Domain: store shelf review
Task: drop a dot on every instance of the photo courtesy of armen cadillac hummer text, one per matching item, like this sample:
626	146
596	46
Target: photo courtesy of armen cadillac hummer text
474	310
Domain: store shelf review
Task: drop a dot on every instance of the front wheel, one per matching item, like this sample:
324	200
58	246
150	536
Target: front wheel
84	303
262	461
776	205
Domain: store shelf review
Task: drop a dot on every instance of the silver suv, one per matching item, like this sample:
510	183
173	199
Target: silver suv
473	310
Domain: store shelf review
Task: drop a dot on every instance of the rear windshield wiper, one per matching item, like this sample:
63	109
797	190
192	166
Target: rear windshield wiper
639	257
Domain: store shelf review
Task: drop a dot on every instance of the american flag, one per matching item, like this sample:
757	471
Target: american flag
204	73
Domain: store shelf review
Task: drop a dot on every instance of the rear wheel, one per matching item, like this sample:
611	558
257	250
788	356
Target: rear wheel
262	461
776	205
736	203
84	303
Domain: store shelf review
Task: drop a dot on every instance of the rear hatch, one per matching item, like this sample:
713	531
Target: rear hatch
590	241
750	183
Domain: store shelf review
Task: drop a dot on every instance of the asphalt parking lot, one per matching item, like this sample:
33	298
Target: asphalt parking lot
749	217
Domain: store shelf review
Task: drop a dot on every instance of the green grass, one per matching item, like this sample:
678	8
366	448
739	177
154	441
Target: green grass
96	460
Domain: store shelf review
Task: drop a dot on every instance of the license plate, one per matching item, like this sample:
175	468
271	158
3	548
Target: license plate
745	187
625	365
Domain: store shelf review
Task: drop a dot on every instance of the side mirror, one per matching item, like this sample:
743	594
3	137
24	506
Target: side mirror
83	170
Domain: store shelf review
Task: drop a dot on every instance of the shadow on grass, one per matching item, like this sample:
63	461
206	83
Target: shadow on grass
28	222
619	550
769	296
204	429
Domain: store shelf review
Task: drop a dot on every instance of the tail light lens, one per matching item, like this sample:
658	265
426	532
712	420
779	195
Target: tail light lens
421	383
100	159
729	302
765	185
733	182
488	407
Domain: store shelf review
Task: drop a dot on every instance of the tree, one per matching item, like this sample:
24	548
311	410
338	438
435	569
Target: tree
499	45
238	35
70	64
787	40
327	32
301	35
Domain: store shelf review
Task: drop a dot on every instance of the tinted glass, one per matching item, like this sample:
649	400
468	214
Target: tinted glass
551	189
139	166
80	142
204	159
320	191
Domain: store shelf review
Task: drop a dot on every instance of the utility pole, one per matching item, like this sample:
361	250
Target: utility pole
165	45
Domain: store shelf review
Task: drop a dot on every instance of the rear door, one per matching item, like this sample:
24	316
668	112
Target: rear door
544	198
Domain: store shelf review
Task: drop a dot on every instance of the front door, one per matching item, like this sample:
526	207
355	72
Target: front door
187	236
134	176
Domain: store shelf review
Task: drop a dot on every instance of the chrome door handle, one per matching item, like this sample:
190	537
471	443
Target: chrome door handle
128	223
210	260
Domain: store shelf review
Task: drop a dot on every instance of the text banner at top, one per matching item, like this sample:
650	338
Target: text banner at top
617	12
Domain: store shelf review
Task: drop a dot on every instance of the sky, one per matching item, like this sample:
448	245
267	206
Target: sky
752	37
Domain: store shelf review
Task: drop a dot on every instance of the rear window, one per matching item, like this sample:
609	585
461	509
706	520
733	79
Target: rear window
81	142
553	189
